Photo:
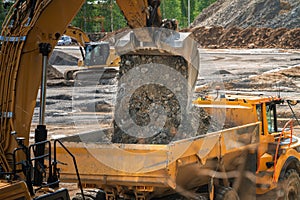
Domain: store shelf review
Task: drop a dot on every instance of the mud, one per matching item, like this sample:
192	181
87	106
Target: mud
249	24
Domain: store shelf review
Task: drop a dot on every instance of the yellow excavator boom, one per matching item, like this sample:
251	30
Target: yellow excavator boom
76	33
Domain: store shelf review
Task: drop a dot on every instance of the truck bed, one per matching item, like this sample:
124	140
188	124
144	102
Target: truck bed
157	169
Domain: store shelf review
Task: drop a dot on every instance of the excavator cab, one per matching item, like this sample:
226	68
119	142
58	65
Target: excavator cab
97	53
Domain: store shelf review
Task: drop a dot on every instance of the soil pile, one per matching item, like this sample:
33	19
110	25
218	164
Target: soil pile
251	37
53	73
251	13
249	23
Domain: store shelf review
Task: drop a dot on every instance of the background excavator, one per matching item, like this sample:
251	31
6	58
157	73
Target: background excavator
94	56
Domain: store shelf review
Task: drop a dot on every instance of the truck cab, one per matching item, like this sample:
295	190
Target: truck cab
278	148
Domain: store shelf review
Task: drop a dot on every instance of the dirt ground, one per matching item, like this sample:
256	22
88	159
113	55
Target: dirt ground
78	108
71	107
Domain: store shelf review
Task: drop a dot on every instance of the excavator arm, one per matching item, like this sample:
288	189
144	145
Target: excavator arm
76	33
143	13
29	33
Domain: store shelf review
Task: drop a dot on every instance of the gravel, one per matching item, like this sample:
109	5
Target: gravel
150	101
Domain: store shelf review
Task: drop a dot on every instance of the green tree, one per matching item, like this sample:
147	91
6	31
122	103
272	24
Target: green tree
178	9
2	13
202	4
4	7
105	15
96	16
118	18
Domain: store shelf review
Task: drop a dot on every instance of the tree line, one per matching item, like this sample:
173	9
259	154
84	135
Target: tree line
105	15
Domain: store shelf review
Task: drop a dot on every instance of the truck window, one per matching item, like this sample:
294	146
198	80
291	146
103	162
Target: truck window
258	111
271	118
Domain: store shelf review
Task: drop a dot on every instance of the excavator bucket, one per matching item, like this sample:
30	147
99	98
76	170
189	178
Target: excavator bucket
163	42
161	69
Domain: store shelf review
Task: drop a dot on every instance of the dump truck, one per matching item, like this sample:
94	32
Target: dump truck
250	155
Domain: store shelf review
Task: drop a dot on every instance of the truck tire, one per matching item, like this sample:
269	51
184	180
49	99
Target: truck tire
226	193
291	185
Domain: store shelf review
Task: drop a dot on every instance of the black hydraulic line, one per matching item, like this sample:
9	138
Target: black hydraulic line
154	4
40	135
31	148
82	53
16	10
74	162
294	115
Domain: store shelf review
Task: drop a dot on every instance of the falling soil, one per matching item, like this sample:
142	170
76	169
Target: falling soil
162	99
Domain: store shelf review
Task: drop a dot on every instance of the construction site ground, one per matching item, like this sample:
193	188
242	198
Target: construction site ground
74	108
257	71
